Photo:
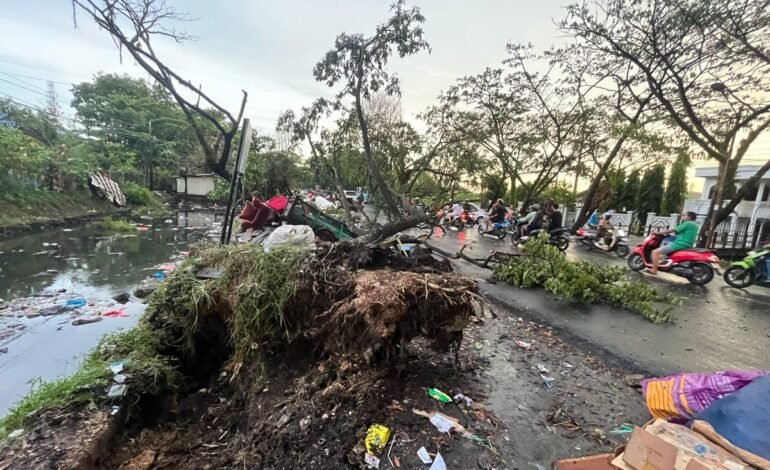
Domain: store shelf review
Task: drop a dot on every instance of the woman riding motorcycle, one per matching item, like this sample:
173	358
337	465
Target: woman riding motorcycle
603	233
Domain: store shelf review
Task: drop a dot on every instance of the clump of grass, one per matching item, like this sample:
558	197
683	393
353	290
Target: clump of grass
112	225
149	372
252	295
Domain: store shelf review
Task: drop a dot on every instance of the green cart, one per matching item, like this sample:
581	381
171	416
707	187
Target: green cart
325	227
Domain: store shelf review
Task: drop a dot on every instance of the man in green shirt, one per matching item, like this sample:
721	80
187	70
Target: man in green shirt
686	233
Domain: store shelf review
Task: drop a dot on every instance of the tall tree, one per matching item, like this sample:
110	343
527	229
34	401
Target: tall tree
360	62
142	119
676	189
304	128
133	24
650	195
707	71
484	110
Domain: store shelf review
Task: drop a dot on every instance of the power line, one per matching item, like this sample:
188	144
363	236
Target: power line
30	77
11	77
22	86
42	68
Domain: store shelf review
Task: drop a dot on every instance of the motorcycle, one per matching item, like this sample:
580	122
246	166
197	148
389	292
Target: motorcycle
499	229
557	237
458	223
618	245
753	269
693	264
468	219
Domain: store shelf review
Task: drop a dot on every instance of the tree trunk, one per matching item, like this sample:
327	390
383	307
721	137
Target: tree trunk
591	193
513	194
220	167
708	229
395	227
152	177
382	186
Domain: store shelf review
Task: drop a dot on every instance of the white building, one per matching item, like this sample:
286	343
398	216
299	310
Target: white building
755	205
751	218
195	185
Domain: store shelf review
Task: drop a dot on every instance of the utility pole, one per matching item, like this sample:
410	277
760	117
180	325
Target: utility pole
235	181
152	155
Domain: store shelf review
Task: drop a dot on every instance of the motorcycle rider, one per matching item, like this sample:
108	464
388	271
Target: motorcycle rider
593	221
686	233
527	219
603	232
457	211
536	222
496	213
555	220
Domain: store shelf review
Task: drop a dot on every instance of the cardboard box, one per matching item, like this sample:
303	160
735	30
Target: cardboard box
666	446
592	462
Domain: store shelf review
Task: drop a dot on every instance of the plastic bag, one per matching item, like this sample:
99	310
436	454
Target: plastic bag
298	236
679	397
72	304
323	203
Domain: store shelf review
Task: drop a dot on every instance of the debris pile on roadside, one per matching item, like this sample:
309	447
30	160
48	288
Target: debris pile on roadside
700	421
284	360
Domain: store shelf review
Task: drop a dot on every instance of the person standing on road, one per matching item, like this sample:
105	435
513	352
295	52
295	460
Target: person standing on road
686	233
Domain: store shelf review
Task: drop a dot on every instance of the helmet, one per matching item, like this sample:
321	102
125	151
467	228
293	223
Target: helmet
534	207
607	215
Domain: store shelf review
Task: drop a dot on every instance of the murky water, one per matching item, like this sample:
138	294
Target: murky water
86	263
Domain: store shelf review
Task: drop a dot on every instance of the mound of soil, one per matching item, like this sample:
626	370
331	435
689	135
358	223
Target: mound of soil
389	308
305	414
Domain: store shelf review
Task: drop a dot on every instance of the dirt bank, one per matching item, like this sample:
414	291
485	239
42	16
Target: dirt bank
306	397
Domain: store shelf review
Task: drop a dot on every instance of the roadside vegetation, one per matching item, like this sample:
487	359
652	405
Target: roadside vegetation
111	224
545	266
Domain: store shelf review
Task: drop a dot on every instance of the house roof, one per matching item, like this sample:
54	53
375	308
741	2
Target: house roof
199	175
744	172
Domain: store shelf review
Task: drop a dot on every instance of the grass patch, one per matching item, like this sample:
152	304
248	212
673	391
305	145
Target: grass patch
143	201
252	295
544	266
114	225
149	372
40	205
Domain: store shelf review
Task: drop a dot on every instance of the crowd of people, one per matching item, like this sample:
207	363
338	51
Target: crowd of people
537	217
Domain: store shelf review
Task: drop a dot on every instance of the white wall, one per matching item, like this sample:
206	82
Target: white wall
181	187
199	185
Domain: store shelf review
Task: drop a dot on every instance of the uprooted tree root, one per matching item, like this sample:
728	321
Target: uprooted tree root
390	308
338	320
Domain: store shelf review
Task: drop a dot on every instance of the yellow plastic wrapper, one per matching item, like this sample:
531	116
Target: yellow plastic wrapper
376	438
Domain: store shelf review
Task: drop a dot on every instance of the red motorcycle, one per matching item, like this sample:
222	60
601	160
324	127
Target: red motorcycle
693	264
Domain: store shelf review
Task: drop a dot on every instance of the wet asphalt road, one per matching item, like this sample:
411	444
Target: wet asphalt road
717	327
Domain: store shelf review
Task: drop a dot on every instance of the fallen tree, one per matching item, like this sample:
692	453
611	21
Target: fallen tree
278	344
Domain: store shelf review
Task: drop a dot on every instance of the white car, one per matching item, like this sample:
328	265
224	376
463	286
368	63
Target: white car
477	213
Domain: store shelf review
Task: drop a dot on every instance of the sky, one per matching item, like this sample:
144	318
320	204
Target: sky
266	47
269	48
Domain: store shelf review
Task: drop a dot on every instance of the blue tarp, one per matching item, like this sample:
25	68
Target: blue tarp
743	417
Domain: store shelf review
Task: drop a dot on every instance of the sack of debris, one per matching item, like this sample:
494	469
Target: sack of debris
297	236
679	397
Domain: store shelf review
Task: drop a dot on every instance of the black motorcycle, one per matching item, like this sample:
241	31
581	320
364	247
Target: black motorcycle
556	237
